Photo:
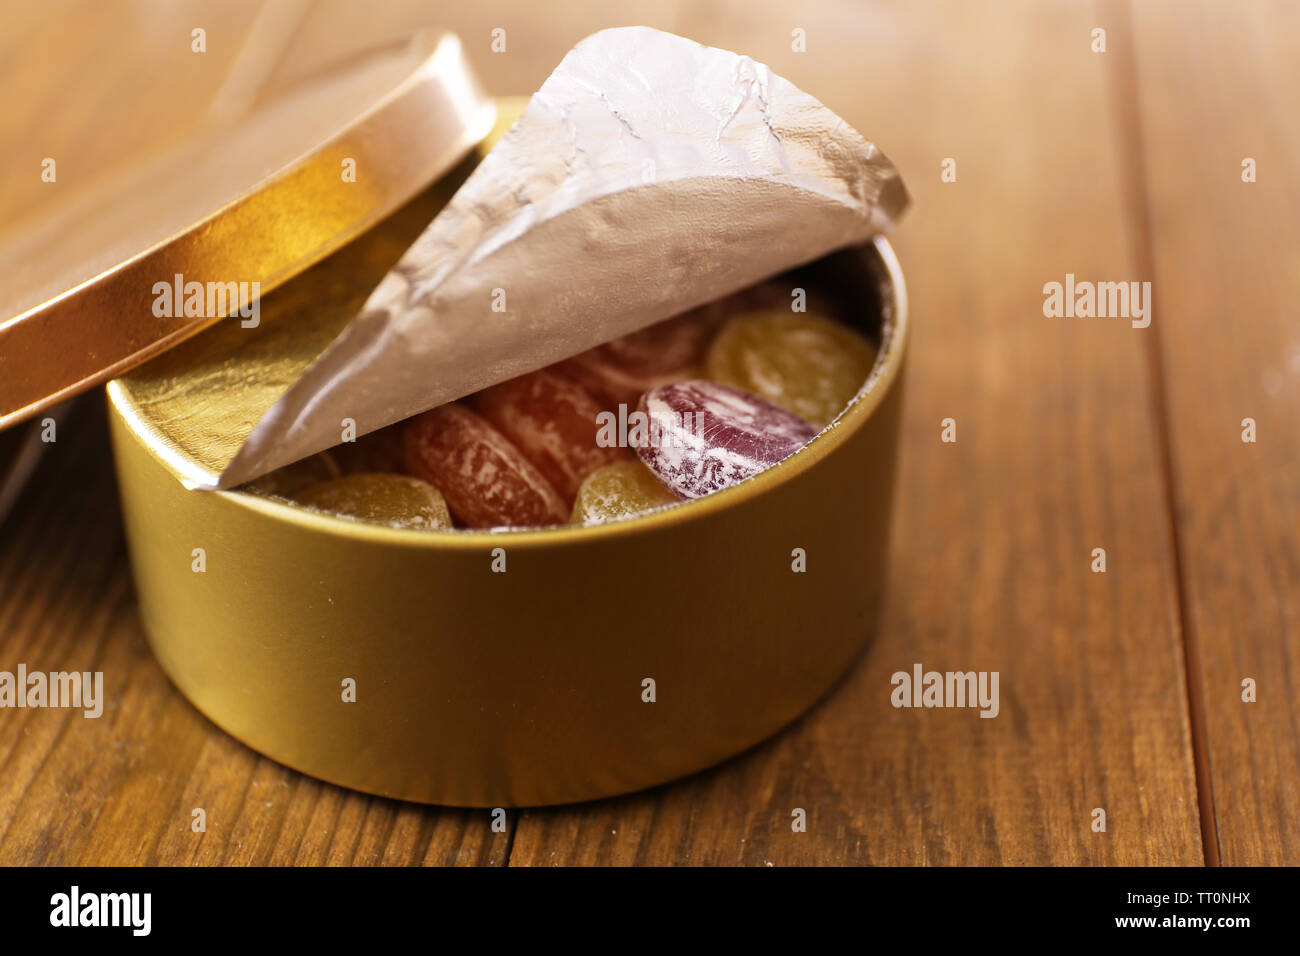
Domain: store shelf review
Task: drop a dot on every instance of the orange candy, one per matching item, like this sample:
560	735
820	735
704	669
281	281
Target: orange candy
553	421
484	477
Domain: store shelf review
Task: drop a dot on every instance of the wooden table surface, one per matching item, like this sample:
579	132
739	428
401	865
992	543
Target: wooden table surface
1119	690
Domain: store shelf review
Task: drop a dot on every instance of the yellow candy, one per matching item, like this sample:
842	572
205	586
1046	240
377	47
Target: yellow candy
806	363
397	500
618	491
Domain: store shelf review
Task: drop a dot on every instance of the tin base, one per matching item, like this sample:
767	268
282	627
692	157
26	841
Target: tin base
601	659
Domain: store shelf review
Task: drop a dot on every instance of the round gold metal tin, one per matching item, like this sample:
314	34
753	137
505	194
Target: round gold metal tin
477	687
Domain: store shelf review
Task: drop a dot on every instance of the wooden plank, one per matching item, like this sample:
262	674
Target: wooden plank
1056	454
1218	84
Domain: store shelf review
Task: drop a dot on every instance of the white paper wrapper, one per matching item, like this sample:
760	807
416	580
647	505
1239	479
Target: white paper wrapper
649	175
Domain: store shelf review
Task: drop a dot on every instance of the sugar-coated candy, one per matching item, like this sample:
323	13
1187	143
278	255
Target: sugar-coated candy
286	482
621	371
398	500
554	422
702	436
484	477
807	364
619	490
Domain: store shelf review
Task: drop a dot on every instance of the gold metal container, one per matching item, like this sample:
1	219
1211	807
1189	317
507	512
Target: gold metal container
477	686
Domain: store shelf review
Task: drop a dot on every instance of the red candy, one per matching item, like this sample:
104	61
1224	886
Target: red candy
703	436
484	477
553	422
619	372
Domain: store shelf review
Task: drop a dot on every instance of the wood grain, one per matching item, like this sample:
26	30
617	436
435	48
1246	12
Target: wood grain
1072	434
1056	454
1227	278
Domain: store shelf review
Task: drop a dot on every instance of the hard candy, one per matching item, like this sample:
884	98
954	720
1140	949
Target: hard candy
806	363
553	421
484	477
704	436
398	500
619	490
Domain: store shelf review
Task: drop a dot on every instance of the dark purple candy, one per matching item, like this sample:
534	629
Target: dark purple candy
703	436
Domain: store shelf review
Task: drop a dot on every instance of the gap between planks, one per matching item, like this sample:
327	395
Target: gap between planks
1128	116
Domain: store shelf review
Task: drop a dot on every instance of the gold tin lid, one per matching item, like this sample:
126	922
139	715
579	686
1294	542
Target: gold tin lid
242	206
